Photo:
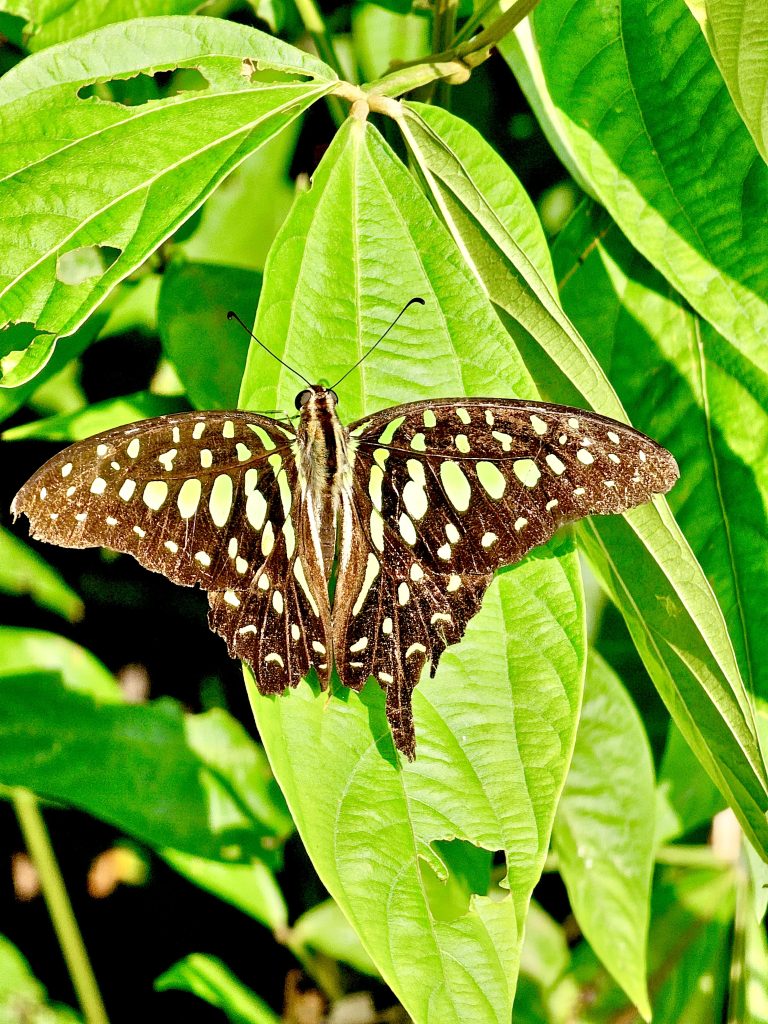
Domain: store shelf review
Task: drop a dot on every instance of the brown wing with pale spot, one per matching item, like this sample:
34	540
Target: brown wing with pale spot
280	624
445	493
208	498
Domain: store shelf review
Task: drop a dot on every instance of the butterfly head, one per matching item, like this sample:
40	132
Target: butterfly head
316	399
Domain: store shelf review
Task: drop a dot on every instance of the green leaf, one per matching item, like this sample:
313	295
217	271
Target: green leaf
638	103
686	797
193	304
12	397
341	269
546	991
738	38
603	833
642	559
688	952
210	979
27	651
79	218
50	21
208	795
671	370
381	36
688	948
700	397
249	887
233	229
23	571
324	929
22	996
506	747
495	726
112	412
754	976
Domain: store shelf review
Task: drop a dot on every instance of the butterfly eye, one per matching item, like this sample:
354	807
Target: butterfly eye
302	398
334	396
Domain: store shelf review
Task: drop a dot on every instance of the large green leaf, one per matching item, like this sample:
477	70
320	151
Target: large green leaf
495	726
24	571
604	835
72	740
81	216
643	559
737	34
636	99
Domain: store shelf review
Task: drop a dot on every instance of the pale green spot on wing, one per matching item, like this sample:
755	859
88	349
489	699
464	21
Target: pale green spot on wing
455	485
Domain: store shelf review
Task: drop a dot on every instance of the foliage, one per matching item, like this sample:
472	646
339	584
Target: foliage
145	189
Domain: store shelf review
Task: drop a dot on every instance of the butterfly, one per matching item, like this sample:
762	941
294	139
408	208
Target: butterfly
410	510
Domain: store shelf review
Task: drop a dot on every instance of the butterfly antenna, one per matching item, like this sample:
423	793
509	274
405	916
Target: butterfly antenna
365	355
231	315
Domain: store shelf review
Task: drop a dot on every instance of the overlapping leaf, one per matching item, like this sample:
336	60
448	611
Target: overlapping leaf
495	727
738	38
643	559
634	98
90	185
677	377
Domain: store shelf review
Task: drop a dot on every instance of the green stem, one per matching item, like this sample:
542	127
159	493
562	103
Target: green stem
59	907
472	24
443	29
481	44
313	22
455	65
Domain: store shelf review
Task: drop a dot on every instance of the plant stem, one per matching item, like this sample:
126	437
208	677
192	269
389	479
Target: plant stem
59	907
443	29
313	22
454	65
472	24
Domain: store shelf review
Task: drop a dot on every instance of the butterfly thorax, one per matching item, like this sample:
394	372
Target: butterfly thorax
325	458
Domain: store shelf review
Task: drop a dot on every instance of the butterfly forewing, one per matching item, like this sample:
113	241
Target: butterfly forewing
208	498
446	492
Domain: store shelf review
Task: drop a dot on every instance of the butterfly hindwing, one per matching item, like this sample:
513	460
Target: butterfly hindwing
446	492
280	624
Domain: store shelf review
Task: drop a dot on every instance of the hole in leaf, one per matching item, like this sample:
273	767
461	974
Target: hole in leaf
466	870
142	88
255	72
87	262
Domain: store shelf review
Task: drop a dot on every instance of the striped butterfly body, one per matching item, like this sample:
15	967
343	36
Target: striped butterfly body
416	506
